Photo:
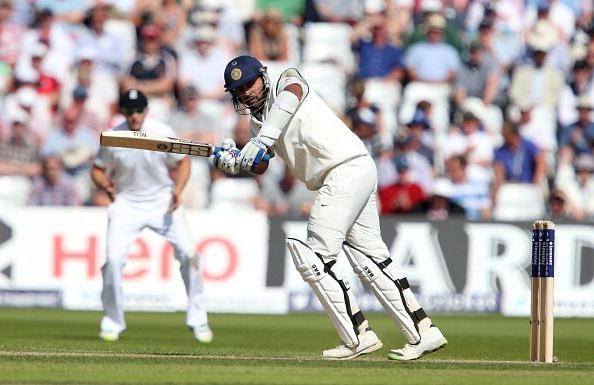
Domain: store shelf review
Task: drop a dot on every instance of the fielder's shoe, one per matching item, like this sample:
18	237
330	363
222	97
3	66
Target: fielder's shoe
431	340
368	342
203	334
109	336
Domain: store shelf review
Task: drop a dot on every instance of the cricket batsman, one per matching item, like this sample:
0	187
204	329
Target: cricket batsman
290	120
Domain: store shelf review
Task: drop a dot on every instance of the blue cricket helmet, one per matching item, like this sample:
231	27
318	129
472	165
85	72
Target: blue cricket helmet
242	70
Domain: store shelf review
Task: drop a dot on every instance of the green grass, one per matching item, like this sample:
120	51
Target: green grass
61	347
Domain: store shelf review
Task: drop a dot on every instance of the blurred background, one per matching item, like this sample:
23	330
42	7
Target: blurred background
479	114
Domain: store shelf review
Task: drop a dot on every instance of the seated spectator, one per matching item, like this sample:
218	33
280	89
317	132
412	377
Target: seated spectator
576	138
19	150
476	146
439	205
101	89
472	195
26	99
518	160
431	67
11	35
421	135
477	89
76	145
558	208
53	187
267	39
191	122
153	71
284	196
365	126
578	187
18	161
172	18
579	82
404	195
109	47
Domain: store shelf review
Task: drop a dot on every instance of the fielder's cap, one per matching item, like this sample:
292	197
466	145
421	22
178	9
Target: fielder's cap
242	70
133	98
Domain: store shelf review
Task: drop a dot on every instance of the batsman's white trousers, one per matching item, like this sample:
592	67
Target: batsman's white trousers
126	221
345	208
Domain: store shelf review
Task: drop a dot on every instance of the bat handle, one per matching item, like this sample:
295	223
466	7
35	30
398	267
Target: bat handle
218	149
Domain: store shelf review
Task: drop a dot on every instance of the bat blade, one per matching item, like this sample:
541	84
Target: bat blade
154	142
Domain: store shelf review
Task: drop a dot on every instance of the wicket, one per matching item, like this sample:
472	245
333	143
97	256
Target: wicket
541	291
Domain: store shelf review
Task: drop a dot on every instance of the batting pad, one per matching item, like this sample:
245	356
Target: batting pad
331	290
382	282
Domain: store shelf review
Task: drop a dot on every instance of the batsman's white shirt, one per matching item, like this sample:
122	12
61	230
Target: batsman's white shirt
143	199
329	158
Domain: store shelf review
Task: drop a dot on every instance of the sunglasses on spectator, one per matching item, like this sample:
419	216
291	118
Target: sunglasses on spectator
133	110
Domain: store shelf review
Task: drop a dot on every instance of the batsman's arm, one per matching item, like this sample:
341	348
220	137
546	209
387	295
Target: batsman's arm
99	177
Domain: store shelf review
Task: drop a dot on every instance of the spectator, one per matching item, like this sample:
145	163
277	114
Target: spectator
101	89
578	187
472	195
172	18
53	187
76	145
431	67
39	116
223	16
19	150
11	35
450	31
108	46
577	138
404	195
421	135
18	161
365	126
518	160
475	145
191	122
439	205
558	207
332	11
291	10
153	71
579	82
268	40
477	89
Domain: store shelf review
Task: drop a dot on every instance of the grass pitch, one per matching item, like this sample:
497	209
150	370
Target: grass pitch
61	347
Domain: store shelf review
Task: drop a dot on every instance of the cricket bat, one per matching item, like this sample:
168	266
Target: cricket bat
154	142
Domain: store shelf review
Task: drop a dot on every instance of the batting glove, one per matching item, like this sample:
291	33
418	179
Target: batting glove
226	159
253	152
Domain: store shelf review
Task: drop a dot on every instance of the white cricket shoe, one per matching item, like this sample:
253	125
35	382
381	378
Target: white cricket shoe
109	336
203	334
431	340
368	342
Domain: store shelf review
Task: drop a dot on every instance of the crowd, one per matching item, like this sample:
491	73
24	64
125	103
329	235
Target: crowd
470	107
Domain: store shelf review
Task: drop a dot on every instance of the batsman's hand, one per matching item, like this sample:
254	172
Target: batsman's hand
254	152
226	159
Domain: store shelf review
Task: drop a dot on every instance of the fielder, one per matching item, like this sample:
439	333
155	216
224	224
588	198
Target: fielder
144	194
291	120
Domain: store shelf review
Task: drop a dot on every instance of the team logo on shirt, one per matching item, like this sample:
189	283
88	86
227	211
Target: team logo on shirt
236	74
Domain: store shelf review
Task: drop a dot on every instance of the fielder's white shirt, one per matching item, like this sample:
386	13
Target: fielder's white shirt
140	175
315	139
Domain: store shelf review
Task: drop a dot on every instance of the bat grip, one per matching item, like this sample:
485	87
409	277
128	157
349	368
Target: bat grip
218	149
